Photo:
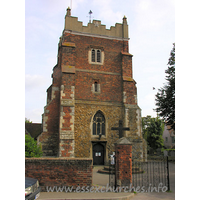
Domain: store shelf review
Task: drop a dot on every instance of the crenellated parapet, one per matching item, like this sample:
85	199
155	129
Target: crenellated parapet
96	28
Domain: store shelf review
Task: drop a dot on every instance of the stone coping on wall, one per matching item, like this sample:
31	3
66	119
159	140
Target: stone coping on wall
56	158
123	141
135	140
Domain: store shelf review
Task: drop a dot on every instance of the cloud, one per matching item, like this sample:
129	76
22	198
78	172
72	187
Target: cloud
35	95
76	4
34	82
152	15
34	26
107	13
148	99
148	111
38	27
35	115
147	103
144	5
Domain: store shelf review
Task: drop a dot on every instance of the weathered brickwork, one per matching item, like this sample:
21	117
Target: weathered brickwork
60	171
127	64
123	167
66	147
81	87
109	84
50	128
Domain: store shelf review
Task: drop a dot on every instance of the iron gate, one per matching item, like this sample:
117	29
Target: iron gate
148	176
112	172
151	174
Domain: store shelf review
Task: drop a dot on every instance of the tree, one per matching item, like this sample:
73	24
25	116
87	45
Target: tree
31	147
145	123
165	98
152	131
27	120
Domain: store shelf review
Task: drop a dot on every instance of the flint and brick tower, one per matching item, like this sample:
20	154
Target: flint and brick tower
92	89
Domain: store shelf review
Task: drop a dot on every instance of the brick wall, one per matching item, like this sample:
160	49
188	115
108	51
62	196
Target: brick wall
60	171
123	149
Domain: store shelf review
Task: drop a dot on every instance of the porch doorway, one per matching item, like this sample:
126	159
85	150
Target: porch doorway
98	154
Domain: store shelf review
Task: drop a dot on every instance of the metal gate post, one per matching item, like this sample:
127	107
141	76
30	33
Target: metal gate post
115	186
168	174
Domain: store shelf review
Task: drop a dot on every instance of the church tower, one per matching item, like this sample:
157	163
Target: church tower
92	90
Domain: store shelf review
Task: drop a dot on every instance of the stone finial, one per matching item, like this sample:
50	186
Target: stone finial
124	20
68	11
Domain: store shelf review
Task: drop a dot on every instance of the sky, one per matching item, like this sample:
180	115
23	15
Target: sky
151	32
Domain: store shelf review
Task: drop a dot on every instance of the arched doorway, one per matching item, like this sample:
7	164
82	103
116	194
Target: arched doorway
98	154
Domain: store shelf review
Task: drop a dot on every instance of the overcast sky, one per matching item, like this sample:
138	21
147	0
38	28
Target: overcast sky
151	32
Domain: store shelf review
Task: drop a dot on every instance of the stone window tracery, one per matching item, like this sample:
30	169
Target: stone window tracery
99	124
96	56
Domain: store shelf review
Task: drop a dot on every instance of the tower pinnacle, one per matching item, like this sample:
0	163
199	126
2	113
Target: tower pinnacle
68	11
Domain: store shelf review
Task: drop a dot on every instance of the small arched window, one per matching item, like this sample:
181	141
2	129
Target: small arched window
98	56
93	55
99	123
95	86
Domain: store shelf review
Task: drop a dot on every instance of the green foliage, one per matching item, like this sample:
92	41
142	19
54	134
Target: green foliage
169	149
27	120
145	123
165	98
31	147
152	131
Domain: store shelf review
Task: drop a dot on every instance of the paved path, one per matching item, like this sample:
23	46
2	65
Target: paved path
84	196
99	179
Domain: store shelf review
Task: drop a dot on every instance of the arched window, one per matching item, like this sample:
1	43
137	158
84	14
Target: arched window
98	56
95	86
99	123
93	55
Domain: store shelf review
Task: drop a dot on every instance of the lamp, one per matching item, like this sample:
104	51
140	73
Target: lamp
100	134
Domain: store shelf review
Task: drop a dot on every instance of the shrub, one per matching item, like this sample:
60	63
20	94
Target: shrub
31	147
